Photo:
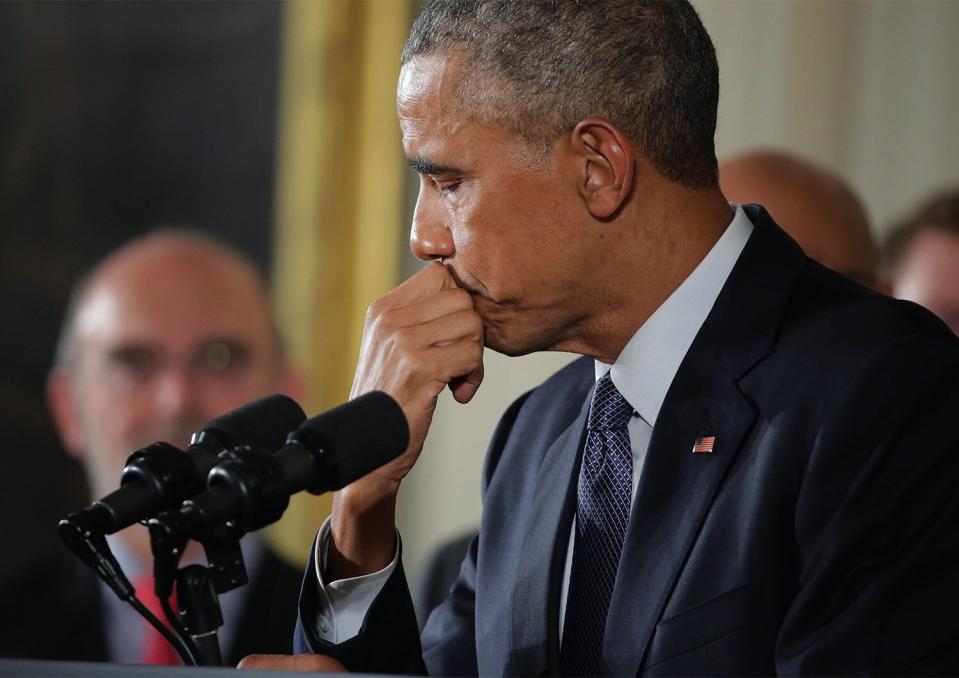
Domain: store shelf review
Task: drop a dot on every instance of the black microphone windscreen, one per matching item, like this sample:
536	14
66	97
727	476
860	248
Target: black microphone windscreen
360	435
265	422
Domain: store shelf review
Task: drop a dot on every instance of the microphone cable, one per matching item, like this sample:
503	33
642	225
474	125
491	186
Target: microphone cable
181	631
179	644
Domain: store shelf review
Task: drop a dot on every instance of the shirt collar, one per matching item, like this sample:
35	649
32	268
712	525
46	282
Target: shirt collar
647	365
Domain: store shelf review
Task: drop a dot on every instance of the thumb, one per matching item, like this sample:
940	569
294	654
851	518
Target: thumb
464	388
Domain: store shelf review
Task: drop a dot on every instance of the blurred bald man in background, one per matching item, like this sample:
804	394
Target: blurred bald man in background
815	207
165	334
922	257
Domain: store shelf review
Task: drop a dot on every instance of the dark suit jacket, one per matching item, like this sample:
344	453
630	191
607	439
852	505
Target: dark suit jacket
820	536
55	611
441	571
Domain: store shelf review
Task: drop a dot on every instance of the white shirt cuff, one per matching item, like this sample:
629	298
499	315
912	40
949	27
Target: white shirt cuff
343	604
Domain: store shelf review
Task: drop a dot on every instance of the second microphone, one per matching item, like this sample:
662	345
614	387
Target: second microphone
250	487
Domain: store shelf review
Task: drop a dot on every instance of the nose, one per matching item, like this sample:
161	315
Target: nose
175	395
429	236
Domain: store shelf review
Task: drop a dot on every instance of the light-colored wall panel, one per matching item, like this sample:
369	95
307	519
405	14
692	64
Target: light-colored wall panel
905	136
868	89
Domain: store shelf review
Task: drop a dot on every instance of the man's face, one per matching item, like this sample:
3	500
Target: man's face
929	275
164	343
503	220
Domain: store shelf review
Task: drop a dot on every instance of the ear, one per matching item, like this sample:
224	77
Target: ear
607	163
62	406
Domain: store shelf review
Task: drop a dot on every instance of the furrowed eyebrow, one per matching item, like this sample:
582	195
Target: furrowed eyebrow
424	166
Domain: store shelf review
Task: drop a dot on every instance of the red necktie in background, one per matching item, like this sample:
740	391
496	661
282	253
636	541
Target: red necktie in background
154	648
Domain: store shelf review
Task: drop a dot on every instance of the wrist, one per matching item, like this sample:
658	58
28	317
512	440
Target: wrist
362	529
371	495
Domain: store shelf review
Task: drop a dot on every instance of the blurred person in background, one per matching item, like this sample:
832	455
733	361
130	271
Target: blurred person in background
817	208
922	257
166	333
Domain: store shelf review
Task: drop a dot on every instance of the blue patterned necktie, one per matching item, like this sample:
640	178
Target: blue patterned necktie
602	513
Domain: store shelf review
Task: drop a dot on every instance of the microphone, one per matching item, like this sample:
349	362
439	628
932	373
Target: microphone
251	487
160	476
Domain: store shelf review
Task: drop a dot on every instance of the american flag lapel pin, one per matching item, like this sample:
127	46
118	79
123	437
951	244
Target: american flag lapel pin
704	444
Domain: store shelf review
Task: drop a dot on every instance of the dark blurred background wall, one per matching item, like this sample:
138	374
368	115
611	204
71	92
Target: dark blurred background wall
114	117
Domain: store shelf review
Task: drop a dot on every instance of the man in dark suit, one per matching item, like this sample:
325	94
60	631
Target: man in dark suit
441	570
753	468
166	333
816	207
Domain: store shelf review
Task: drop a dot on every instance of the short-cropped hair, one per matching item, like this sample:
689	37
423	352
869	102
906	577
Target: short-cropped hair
938	213
538	67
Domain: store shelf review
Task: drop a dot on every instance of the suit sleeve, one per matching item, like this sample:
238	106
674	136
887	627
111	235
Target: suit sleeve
876	524
389	641
449	636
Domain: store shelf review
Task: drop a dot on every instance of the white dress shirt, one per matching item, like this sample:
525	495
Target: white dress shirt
642	373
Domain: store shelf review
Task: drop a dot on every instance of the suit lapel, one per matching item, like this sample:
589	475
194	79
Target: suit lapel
535	610
677	487
675	491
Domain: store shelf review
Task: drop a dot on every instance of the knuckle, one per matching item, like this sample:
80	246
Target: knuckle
375	309
401	364
401	339
407	366
387	318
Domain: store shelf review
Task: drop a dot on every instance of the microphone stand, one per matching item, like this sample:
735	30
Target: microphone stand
198	586
86	539
250	488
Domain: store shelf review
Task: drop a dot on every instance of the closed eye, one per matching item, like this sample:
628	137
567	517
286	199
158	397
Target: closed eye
446	178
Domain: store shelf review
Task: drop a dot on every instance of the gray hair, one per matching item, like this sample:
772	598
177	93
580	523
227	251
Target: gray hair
538	67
